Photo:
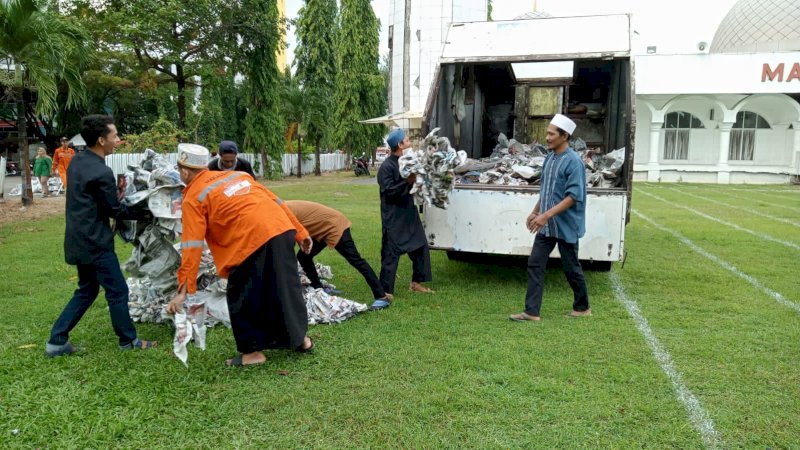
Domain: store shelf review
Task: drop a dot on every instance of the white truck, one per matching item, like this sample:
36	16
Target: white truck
512	77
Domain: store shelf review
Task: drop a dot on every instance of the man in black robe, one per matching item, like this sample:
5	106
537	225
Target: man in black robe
401	227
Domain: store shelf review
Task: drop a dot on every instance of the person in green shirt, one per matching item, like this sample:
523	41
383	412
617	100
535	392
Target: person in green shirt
42	168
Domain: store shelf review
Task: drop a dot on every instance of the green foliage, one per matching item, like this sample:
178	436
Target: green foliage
45	49
489	10
260	35
217	116
359	88
163	137
169	40
315	57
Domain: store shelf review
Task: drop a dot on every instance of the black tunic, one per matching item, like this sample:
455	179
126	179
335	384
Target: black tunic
91	203
399	216
242	165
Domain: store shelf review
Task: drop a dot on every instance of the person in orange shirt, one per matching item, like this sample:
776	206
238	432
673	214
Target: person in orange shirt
61	159
251	234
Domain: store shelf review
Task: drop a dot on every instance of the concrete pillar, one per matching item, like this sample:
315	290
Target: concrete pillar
653	170
723	171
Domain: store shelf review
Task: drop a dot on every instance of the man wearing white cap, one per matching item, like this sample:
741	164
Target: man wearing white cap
558	219
251	234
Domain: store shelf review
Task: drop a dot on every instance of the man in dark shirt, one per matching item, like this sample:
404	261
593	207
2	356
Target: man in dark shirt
228	159
89	241
401	227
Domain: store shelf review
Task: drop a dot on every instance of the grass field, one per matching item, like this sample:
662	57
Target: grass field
693	344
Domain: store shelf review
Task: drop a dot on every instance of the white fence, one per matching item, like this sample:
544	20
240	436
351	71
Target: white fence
329	162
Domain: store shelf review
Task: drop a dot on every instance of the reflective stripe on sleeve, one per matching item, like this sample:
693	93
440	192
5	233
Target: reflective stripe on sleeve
192	244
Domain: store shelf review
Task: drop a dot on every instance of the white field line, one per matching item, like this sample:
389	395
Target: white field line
723	222
700	419
722	263
728	205
725	188
751	200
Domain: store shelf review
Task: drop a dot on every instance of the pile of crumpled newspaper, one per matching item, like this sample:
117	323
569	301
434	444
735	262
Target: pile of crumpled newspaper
434	166
54	186
516	164
155	185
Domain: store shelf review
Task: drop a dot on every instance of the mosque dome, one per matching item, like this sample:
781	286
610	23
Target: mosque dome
759	26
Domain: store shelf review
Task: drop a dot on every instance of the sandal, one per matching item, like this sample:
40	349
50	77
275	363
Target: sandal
51	351
420	288
524	317
380	303
308	349
139	344
237	361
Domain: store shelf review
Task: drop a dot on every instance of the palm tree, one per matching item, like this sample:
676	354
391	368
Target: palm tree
40	49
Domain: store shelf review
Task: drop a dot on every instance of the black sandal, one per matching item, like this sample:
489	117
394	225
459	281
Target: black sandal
306	350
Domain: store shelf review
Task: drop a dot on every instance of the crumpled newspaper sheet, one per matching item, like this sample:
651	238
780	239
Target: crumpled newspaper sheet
516	164
433	165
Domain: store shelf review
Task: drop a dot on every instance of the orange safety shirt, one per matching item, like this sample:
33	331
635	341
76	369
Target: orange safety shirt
235	215
61	159
323	223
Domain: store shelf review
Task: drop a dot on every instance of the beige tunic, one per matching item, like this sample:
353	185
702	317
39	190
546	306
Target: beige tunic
324	224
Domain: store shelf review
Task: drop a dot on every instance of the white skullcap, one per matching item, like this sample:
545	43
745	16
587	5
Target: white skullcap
563	122
193	156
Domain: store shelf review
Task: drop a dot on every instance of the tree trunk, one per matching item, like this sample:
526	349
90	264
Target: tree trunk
22	129
180	79
299	153
317	166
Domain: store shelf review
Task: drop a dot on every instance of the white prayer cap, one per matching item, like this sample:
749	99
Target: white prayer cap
563	122
193	156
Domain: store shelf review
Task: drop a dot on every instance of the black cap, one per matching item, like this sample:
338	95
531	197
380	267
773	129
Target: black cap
226	147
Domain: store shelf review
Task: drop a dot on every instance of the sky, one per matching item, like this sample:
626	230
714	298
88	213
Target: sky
675	26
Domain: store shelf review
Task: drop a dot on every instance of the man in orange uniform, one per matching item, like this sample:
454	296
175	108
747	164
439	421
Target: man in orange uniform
61	159
329	226
251	234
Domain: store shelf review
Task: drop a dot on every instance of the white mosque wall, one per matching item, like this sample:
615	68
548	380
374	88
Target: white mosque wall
429	21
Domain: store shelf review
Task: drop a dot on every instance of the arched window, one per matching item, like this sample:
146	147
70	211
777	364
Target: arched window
743	135
678	126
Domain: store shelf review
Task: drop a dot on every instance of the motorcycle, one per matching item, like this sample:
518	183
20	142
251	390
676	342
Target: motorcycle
361	166
12	169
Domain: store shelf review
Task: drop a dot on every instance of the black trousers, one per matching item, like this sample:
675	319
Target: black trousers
537	263
347	248
265	302
390	258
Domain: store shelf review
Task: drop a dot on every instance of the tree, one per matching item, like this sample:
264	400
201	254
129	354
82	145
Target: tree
175	39
260	34
40	48
315	57
359	86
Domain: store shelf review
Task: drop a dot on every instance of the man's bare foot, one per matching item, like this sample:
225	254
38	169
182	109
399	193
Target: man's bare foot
247	359
524	317
417	287
574	313
389	296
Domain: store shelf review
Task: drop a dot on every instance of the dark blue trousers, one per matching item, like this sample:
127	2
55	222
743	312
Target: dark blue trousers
103	271
537	263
